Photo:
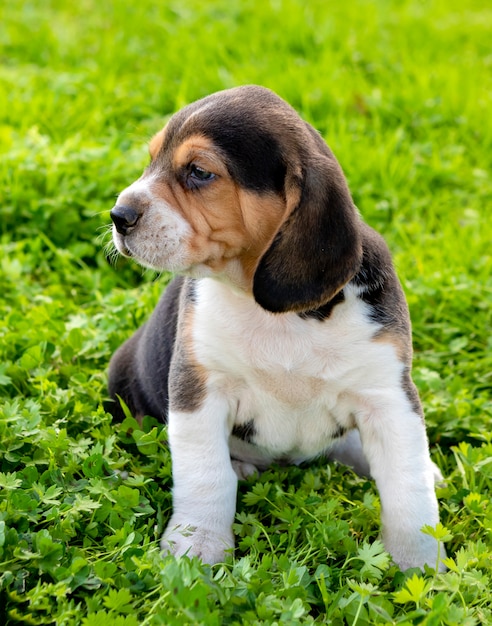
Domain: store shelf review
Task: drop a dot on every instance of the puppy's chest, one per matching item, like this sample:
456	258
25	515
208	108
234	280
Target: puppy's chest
283	398
283	357
279	386
287	414
286	377
292	389
284	354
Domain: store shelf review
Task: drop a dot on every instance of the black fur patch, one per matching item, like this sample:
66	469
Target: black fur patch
246	432
254	157
324	311
340	432
242	129
139	370
380	287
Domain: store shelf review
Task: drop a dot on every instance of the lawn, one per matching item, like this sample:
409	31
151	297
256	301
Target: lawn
402	92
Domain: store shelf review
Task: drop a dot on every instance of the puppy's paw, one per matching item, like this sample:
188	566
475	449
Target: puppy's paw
208	545
244	470
407	562
438	477
417	554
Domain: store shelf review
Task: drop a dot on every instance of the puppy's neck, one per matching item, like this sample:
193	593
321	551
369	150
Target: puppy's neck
232	274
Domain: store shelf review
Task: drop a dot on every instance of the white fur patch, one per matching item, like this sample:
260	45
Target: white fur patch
160	239
294	377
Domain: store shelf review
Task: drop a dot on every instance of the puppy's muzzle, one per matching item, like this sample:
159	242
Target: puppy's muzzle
124	218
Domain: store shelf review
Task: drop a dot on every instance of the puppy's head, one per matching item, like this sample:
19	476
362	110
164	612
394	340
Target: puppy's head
240	187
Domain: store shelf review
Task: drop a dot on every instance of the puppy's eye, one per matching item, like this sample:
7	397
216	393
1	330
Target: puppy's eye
199	175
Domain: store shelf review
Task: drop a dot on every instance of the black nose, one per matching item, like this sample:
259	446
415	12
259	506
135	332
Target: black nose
124	217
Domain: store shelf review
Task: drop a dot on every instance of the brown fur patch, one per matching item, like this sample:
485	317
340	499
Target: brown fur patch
201	151
411	392
157	142
187	380
398	340
403	348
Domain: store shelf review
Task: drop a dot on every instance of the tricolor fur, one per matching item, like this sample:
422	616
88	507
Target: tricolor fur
287	335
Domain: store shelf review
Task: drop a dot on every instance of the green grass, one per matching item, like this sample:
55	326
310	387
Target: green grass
402	92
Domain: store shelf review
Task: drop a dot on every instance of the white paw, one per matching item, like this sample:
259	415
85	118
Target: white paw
208	545
422	552
438	477
243	470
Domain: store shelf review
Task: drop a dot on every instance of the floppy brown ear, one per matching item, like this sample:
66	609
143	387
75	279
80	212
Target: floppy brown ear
317	249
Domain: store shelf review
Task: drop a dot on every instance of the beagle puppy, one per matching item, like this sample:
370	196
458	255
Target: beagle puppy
286	335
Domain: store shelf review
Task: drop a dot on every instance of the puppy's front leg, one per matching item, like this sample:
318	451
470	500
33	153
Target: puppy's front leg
395	444
204	492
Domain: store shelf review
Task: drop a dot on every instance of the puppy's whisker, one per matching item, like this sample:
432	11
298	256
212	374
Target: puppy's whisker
104	231
102	212
111	253
104	239
105	227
